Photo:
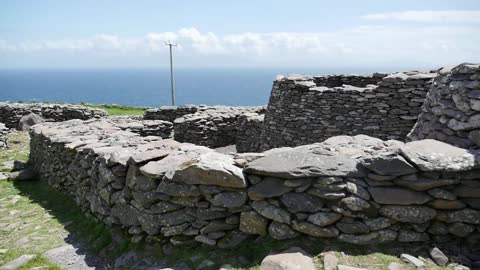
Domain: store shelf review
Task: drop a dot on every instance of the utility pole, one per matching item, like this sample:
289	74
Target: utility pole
169	44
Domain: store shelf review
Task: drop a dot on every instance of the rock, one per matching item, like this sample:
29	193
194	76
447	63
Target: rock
399	196
301	202
460	229
293	258
352	227
345	267
228	199
323	219
205	264
466	191
23	175
210	168
389	165
18	262
232	240
412	261
28	121
438	257
325	194
177	189
298	163
446	204
358	190
438	228
313	230
405	236
473	202
410	214
396	266
253	223
465	216
432	155
442	194
373	238
426	184
281	231
268	187
205	240
126	214
330	260
271	212
354	203
378	223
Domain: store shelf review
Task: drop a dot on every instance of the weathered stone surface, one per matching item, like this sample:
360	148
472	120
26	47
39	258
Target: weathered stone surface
281	231
411	214
378	223
177	189
432	155
442	194
473	202
296	163
301	202
330	260
323	219
405	236
399	196
228	199
352	227
391	165
291	259
438	257
313	230
253	223
325	194
268	187
412	261
460	229
358	190
271	212
466	191
232	240
465	215
18	262
346	267
425	183
446	204
378	237
29	120
354	203
126	214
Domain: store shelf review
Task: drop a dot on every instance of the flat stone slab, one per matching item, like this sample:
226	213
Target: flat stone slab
291	259
432	155
297	163
18	262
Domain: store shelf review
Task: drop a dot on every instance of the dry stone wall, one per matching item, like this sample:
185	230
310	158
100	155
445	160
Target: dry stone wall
163	129
451	112
359	190
249	132
212	127
3	136
302	111
170	113
10	113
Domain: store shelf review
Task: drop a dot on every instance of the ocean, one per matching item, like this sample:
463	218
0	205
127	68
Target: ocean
145	87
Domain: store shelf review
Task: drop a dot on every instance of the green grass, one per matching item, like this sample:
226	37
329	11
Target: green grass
112	109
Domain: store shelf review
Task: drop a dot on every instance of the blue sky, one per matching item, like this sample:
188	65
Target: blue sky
341	33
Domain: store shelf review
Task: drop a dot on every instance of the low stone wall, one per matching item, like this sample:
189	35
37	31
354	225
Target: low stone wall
163	129
301	112
353	80
10	113
3	136
170	113
451	112
360	190
249	132
213	127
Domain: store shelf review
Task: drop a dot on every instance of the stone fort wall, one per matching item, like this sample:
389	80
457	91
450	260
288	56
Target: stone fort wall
359	190
10	113
305	109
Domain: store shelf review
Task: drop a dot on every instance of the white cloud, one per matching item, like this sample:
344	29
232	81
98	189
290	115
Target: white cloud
446	16
364	45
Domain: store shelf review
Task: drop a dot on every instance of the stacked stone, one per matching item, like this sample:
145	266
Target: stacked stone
451	112
360	190
149	186
249	132
170	113
354	80
3	136
213	127
10	113
300	112
363	190
163	129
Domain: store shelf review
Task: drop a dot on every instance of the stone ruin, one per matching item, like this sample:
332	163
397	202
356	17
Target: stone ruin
357	189
10	113
3	136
